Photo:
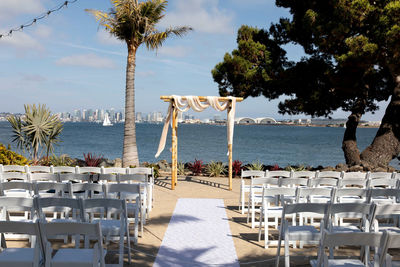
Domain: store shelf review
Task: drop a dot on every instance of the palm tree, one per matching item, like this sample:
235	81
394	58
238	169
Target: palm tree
135	23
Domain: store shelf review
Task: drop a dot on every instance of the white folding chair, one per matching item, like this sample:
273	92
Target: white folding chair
349	217
40	177
132	194
74	177
351	195
383	183
385	218
145	186
113	221
76	257
256	198
51	189
114	170
245	188
149	172
105	178
16	189
303	233
63	169
21	256
362	240
383	195
355	175
11	176
268	211
12	207
12	168
381	175
38	169
393	242
87	190
88	170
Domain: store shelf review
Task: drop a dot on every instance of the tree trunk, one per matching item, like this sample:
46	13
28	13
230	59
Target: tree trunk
349	144
130	155
386	144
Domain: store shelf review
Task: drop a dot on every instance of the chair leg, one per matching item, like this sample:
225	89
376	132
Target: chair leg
287	260
278	252
260	225
266	235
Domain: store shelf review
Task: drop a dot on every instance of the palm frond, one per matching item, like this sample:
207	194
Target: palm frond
156	39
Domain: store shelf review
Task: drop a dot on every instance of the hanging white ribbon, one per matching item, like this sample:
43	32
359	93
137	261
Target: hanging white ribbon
194	102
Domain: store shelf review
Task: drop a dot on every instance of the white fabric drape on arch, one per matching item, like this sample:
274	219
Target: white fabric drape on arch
198	106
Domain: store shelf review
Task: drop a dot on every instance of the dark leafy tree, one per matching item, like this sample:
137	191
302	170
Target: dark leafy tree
352	52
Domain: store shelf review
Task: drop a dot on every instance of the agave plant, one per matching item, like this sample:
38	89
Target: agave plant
215	169
256	166
181	168
38	128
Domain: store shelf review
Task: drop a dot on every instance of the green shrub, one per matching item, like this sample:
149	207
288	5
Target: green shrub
63	160
181	168
155	167
215	169
8	157
256	166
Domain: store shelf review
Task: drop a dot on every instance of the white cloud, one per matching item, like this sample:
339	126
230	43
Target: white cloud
202	15
22	43
174	51
107	39
86	60
33	77
12	8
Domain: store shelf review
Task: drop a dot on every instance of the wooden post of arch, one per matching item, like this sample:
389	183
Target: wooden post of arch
174	143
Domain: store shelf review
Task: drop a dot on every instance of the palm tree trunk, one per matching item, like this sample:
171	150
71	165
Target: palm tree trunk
386	145
130	155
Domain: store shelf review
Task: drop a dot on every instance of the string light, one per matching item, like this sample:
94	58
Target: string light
35	20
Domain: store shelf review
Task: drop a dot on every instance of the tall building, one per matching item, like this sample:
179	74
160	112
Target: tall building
139	117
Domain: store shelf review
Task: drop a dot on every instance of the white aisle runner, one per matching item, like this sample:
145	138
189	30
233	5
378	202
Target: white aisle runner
198	235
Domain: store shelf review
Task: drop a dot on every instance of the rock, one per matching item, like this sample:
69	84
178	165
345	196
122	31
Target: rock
118	163
391	169
379	169
341	167
328	168
356	168
163	165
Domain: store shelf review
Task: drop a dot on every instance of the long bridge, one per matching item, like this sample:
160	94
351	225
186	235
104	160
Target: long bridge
261	120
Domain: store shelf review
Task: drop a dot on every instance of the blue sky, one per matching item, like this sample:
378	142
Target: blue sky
67	62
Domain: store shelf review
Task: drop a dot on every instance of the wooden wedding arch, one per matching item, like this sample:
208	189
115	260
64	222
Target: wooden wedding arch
174	149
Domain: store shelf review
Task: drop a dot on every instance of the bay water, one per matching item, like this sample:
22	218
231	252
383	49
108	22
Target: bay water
269	144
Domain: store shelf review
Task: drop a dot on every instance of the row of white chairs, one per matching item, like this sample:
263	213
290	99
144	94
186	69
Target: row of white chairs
364	218
41	252
111	213
86	178
77	169
314	179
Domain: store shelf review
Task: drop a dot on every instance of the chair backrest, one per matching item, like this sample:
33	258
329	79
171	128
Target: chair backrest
324	182
304	174
309	208
13	204
277	191
252	174
75	177
383	192
393	241
141	170
6	186
293	182
24	228
43	177
7	176
260	181
12	168
380	175
86	190
385	210
132	178
114	170
60	189
105	178
40	169
355	175
353	182
106	206
330	174
382	182
360	239
57	204
124	189
361	193
89	170
311	192
351	210
63	169
278	174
